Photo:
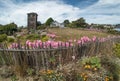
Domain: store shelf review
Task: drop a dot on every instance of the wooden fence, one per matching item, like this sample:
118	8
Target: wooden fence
49	58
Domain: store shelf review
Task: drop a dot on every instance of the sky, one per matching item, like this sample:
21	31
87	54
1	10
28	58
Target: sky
93	11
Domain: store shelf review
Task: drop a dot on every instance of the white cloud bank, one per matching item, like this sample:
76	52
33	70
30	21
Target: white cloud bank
97	13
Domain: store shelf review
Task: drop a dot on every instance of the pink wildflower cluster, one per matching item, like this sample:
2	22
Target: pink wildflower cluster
47	44
40	44
83	40
57	44
51	35
14	45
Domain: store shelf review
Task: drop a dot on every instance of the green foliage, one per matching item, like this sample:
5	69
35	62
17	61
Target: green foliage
112	67
52	59
8	29
50	75
49	21
9	39
14	78
44	38
66	23
115	32
79	78
41	27
79	23
30	71
95	62
116	49
100	27
33	37
39	23
3	37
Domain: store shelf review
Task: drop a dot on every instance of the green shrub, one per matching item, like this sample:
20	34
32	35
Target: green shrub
3	37
112	67
50	75
111	31
44	38
10	39
32	37
117	50
94	62
14	78
30	71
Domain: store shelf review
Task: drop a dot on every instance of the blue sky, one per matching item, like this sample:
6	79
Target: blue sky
94	11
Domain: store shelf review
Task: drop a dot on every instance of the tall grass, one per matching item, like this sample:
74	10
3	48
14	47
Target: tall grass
70	33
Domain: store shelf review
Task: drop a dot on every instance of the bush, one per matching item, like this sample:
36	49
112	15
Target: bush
112	66
93	62
111	31
10	39
3	37
117	50
44	38
30	71
33	37
41	27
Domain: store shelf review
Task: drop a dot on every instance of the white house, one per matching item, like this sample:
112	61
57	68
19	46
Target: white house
57	24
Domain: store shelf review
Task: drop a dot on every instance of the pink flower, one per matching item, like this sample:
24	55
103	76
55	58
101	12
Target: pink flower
67	44
102	40
79	42
27	42
14	45
51	35
54	44
94	38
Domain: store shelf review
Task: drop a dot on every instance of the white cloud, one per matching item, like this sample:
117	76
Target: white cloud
45	9
104	11
103	19
109	1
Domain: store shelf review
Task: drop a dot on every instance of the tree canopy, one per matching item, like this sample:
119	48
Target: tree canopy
79	23
8	29
66	23
49	21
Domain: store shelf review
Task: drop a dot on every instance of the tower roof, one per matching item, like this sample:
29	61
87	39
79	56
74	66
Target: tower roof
32	13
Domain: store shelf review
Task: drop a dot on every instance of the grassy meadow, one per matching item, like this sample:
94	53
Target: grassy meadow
64	34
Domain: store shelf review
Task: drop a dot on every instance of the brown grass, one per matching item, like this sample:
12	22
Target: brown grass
69	33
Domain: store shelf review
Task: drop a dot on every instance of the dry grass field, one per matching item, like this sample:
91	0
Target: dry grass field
64	34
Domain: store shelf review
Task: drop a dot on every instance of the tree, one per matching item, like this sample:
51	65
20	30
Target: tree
8	29
39	23
49	21
66	23
79	23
